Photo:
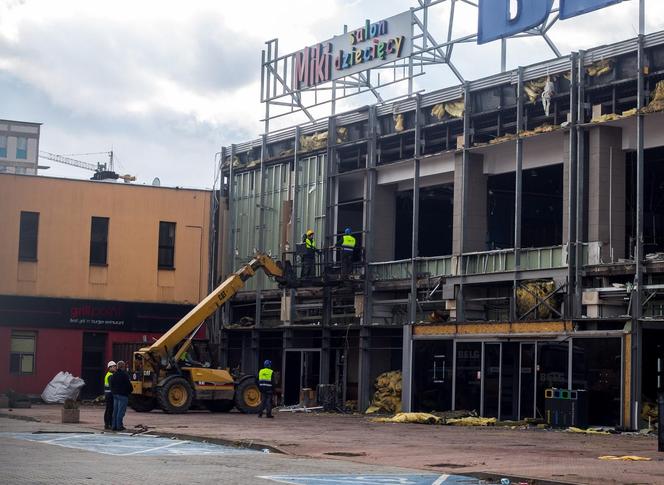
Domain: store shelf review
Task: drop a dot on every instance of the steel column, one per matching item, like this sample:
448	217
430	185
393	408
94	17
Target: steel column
416	217
518	185
364	369
369	216
261	229
580	182
460	306
572	196
295	205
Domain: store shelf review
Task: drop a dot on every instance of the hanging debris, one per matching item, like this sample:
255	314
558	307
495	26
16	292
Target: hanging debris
657	103
547	95
600	68
529	297
387	397
452	108
534	88
398	122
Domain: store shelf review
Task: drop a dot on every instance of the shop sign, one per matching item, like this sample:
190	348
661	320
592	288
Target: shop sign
497	21
365	47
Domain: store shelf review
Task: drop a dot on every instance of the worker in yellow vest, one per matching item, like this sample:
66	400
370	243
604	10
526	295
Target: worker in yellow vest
108	395
266	385
309	256
347	250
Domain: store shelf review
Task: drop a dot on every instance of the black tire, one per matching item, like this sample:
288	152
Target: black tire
142	404
175	395
248	397
220	405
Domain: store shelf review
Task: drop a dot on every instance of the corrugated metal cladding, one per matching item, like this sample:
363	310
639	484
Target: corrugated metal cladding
276	190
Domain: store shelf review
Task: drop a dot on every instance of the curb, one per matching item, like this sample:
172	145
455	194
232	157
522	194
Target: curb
20	417
252	445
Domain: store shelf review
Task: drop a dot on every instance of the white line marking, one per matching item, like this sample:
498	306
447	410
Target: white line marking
157	448
63	438
440	479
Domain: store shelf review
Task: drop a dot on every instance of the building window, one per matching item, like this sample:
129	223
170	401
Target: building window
3	146
27	240
21	148
22	353
99	241
166	245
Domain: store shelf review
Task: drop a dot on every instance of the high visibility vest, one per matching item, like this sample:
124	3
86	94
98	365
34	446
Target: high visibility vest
348	243
310	243
265	377
107	384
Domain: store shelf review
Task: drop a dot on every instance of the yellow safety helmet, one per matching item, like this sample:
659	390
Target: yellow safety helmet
310	232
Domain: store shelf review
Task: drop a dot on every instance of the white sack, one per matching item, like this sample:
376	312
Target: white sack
62	386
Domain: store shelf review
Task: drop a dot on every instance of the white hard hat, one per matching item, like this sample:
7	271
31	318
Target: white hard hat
111	363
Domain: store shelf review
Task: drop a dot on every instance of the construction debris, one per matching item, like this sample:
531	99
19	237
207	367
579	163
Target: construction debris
398	122
573	429
387	397
316	141
624	458
535	88
530	295
421	418
452	108
471	421
657	103
600	68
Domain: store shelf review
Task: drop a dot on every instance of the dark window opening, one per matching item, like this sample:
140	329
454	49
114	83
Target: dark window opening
22	352
166	245
653	198
99	240
434	223
27	242
542	208
351	216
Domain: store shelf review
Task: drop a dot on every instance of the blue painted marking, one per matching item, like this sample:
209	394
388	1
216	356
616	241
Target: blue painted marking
371	479
126	445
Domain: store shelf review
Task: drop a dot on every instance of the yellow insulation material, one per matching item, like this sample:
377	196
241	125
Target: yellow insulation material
657	103
573	429
398	122
624	458
525	298
534	88
600	68
471	421
451	108
387	397
421	418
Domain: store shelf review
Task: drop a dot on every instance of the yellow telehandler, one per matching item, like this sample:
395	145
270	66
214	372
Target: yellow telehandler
163	377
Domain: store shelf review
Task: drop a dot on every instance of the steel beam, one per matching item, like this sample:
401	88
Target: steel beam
571	184
580	181
460	305
518	189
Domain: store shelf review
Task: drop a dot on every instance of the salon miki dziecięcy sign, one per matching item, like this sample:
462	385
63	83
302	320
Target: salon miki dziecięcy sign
377	43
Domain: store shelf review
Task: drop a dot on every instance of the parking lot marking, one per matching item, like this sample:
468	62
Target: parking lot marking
384	479
127	445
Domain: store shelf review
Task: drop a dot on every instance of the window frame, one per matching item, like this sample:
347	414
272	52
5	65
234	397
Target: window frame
23	334
26	253
3	147
21	153
164	247
96	244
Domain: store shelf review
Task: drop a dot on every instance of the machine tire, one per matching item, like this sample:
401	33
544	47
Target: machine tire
142	404
248	397
220	405
175	395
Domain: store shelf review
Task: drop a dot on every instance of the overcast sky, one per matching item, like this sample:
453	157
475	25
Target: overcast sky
167	83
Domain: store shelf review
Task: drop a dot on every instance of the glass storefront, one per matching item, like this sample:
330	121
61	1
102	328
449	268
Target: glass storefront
507	379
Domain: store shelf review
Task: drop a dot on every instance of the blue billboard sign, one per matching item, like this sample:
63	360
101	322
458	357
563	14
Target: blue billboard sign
496	20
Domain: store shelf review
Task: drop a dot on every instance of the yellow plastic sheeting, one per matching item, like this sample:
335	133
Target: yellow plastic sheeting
657	103
421	418
452	108
624	458
600	68
387	397
573	429
471	421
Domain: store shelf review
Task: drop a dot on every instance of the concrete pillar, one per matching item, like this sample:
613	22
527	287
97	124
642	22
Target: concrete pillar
475	210
606	191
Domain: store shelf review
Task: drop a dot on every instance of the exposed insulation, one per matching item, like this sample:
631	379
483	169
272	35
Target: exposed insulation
387	397
600	68
534	88
452	108
471	421
398	122
421	418
313	142
657	103
525	298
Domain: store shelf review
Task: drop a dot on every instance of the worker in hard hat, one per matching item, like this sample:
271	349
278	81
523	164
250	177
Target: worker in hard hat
347	250
266	385
309	255
108	395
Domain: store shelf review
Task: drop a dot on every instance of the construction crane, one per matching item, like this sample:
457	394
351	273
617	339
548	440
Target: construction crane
102	171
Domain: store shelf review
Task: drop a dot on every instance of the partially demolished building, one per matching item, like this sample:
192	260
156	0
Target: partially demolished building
510	239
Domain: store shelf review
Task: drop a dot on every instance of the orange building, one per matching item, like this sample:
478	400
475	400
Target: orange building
89	270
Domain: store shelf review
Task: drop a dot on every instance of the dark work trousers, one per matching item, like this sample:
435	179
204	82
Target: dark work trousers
307	267
346	262
266	405
108	413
